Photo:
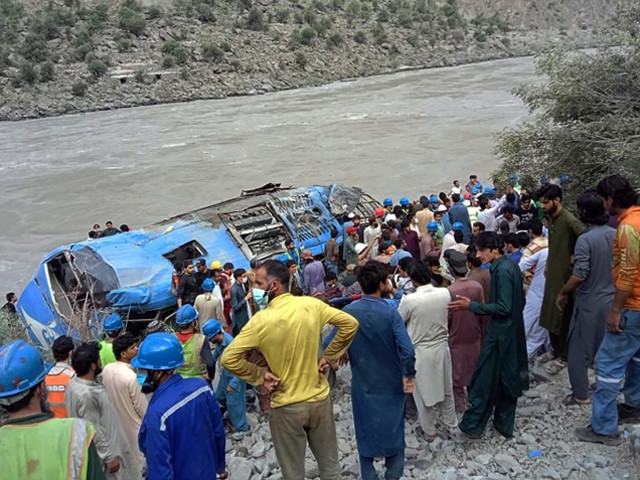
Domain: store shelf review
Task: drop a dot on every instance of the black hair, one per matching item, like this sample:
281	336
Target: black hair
524	239
227	266
23	402
124	227
334	233
525	197
508	208
404	263
432	260
535	225
405	224
178	265
397	211
238	272
61	348
549	191
419	273
471	177
9	296
330	276
503	227
93	234
483	201
458	236
455	198
289	241
591	209
109	221
619	190
511	197
442	196
398	243
490	240
371	275
122	343
473	260
288	264
278	271
85	355
512	239
480	225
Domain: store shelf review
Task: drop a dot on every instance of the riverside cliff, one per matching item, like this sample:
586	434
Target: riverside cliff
78	55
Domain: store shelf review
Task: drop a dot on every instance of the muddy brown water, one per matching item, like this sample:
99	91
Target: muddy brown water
403	134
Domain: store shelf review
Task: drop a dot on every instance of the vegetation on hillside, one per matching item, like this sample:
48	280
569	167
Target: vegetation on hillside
586	115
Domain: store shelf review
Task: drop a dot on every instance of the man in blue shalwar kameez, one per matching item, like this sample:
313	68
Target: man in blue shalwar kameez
383	369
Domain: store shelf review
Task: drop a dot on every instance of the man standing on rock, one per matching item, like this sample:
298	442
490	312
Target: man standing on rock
618	360
287	332
383	369
501	373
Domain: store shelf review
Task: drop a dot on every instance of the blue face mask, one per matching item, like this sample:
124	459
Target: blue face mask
141	377
261	297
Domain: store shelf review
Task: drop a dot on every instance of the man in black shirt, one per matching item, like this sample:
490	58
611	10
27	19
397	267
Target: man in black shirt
527	210
188	288
10	306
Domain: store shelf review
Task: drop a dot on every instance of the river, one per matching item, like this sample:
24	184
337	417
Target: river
408	133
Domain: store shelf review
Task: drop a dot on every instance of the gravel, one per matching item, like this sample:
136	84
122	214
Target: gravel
542	424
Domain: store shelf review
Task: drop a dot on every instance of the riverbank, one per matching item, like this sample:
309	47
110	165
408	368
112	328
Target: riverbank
72	60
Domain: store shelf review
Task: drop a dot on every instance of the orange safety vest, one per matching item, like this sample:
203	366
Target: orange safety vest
56	384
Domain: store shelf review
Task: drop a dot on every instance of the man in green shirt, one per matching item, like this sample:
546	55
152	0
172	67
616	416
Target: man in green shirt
112	327
36	445
564	230
501	373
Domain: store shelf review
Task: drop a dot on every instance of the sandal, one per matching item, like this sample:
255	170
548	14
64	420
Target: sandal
556	367
570	400
547	357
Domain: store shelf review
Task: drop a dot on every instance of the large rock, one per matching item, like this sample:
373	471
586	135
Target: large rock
240	468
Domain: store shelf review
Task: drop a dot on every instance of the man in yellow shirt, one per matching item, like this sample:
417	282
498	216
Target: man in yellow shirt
287	332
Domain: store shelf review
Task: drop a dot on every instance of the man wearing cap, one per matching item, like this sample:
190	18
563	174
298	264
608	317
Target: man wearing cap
36	446
458	213
182	433
428	245
87	398
465	328
198	361
313	274
288	332
112	326
387	203
231	392
58	377
201	272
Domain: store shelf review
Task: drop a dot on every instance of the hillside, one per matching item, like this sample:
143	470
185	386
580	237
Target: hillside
79	55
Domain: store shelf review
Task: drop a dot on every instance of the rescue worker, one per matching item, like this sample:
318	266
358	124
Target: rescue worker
59	376
198	362
182	434
35	445
231	391
112	326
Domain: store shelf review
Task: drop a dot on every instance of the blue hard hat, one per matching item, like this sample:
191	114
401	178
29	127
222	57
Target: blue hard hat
564	179
159	351
433	199
387	202
458	226
186	314
404	201
207	285
490	190
21	368
212	328
432	227
112	323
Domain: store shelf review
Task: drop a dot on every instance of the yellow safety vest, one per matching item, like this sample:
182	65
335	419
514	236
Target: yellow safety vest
106	353
192	367
54	449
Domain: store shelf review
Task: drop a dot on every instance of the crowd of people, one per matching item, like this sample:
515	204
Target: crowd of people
445	302
98	232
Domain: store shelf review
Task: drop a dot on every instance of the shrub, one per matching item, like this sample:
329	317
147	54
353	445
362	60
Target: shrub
139	75
124	44
353	9
405	19
383	16
320	28
480	36
224	45
301	59
170	46
205	13
47	72
307	34
335	40
168	61
298	18
98	16
28	73
211	52
130	21
309	17
81	51
337	4
360	37
255	20
97	68
154	12
379	35
34	47
79	88
282	14
413	40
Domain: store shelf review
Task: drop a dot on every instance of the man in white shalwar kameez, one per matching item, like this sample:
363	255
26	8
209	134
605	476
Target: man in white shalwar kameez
425	316
537	336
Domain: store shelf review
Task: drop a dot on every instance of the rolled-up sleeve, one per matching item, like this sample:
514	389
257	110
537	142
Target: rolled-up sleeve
582	257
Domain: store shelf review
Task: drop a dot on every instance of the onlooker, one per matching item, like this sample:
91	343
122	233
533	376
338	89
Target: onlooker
240	296
110	230
59	376
208	305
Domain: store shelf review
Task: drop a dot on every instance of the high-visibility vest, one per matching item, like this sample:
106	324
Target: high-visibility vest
56	448
56	384
106	353
192	367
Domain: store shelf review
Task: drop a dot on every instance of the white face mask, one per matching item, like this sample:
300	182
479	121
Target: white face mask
243	280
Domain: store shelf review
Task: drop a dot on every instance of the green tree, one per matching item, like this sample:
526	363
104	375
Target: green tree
255	20
211	52
585	115
131	21
79	88
97	68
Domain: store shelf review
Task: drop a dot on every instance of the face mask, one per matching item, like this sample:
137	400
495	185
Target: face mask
150	384
244	280
261	297
140	377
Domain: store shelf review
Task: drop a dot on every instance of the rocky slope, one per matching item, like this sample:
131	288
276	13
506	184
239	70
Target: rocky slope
80	55
542	424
